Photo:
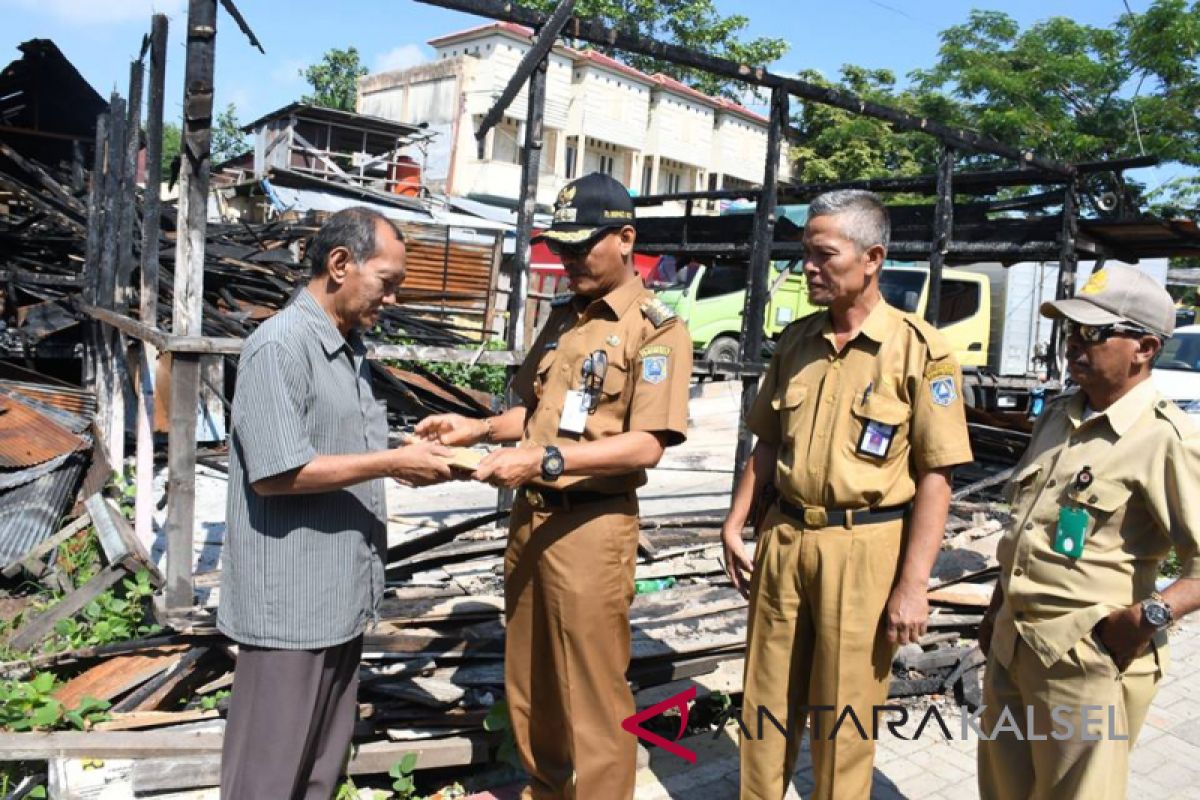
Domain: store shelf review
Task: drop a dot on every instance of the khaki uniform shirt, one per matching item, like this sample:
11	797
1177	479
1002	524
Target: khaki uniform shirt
645	387
1144	456
816	404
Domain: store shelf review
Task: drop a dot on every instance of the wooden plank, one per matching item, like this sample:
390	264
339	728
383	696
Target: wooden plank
181	482
138	720
41	626
102	744
32	562
964	594
153	695
117	675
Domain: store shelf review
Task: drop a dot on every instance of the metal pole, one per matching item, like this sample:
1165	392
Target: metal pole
760	261
1068	261
189	289
943	226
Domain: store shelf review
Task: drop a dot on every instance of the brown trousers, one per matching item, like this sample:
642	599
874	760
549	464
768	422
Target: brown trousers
568	587
1014	765
816	638
290	719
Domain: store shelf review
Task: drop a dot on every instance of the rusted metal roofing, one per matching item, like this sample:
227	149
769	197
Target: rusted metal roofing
28	437
33	512
29	394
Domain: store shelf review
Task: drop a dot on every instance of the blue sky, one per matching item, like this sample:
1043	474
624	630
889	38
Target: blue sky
101	36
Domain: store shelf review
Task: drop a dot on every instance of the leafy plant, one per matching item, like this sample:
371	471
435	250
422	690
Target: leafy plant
211	701
30	705
498	721
111	617
401	773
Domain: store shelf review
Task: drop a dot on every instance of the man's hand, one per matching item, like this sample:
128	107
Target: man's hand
452	430
1125	635
738	565
907	613
510	467
419	464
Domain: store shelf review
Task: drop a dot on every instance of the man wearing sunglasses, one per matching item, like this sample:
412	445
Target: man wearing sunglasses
1076	635
603	391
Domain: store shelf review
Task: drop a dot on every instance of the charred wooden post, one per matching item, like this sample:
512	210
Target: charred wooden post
1068	262
133	128
943	227
188	301
92	246
110	416
148	295
760	264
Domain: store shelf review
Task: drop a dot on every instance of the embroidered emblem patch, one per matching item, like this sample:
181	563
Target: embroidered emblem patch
943	392
1096	284
654	369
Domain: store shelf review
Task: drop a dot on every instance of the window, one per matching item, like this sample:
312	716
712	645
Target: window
673	181
960	300
647	177
722	278
569	167
902	289
606	165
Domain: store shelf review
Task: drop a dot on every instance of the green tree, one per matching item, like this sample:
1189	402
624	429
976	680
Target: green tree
335	79
172	139
694	24
228	140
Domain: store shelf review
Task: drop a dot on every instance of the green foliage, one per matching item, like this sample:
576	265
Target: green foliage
30	706
335	79
1170	567
694	24
228	140
401	774
123	485
490	378
79	557
172	143
210	701
112	617
498	721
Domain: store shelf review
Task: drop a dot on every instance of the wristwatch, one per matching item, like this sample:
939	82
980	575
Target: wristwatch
1156	611
552	463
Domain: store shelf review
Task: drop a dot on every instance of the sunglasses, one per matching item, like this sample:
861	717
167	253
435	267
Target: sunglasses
575	250
1095	334
594	368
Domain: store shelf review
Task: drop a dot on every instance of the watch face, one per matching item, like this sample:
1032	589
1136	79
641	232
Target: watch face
552	464
1156	614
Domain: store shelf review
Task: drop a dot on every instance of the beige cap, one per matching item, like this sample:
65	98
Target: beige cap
1118	293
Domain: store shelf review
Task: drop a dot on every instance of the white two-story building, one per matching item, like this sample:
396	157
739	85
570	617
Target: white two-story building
650	132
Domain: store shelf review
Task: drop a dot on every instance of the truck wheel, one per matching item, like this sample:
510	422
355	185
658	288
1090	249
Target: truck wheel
722	348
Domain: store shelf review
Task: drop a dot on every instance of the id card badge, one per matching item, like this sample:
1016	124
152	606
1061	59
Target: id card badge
876	438
1071	532
575	413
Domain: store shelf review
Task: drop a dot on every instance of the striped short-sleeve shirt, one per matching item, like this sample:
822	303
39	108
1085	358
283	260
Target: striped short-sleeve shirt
301	571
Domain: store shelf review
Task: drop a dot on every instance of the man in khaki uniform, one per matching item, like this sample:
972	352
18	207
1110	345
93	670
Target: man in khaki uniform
859	422
1098	501
604	390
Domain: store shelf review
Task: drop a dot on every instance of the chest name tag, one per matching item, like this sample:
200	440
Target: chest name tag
575	412
1071	531
876	438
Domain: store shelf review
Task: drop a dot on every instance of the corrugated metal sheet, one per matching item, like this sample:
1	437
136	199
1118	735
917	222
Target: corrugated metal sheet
74	422
32	513
28	438
66	398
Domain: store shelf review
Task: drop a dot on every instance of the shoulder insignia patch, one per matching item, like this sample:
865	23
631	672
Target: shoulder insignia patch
939	369
658	314
942	390
654	350
938	348
562	299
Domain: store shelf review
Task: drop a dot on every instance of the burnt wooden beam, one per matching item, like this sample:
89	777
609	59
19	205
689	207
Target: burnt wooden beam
760	264
188	298
597	33
1068	261
943	227
531	61
243	25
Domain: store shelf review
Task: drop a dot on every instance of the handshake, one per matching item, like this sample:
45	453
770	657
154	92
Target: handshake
438	452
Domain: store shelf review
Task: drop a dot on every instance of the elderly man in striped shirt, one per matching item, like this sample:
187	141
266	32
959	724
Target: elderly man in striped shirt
306	518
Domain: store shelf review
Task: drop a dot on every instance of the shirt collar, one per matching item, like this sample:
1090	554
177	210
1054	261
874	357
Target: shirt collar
331	338
878	326
621	298
1122	414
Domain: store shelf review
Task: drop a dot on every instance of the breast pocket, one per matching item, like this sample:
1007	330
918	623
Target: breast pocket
542	374
1021	484
1102	499
881	427
789	404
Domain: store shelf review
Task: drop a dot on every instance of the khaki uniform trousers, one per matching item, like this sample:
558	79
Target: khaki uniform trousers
568	588
1013	766
817	637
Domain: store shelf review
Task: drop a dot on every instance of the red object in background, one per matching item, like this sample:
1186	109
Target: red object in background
543	261
405	176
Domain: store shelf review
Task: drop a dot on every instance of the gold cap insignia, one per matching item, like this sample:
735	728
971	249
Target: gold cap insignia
1096	284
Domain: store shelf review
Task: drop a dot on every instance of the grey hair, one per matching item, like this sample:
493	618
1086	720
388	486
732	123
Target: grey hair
865	221
353	228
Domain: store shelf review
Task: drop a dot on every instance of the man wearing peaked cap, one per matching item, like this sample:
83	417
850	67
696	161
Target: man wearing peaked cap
1097	504
603	391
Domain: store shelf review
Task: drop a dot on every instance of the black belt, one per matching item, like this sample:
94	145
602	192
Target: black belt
817	517
540	498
